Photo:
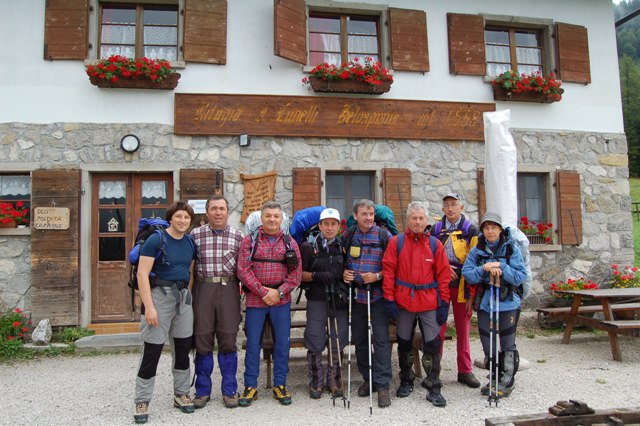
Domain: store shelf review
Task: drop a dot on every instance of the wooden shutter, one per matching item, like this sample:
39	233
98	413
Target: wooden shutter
409	46
306	188
66	29
396	190
569	207
200	184
482	196
205	31
572	44
466	44
290	30
55	254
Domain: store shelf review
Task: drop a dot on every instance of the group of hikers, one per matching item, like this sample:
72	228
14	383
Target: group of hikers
356	281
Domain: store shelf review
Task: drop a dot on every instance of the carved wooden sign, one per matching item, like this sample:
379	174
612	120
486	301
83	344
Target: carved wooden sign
305	116
258	189
51	218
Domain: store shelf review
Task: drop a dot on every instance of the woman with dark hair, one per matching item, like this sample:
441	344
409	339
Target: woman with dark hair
165	278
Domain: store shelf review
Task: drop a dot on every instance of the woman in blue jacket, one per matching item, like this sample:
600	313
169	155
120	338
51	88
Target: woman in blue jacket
497	255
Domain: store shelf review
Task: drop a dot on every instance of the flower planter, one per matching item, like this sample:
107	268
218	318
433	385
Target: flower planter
348	86
169	83
10	224
536	239
501	94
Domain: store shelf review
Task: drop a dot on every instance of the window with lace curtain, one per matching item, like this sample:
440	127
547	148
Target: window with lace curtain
517	49
339	38
14	188
138	29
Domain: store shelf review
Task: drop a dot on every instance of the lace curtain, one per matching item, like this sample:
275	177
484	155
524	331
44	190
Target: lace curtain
15	186
112	189
154	189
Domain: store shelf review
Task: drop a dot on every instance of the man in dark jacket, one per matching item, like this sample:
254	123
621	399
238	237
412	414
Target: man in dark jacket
322	267
416	286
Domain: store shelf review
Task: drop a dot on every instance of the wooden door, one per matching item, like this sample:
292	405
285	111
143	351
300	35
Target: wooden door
118	202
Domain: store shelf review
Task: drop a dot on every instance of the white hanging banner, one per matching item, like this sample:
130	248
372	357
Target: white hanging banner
501	167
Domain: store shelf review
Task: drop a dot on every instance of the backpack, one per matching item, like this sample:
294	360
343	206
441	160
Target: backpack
433	242
146	228
384	218
304	225
524	289
437	228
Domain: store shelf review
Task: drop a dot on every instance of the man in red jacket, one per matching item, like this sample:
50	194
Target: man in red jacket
416	285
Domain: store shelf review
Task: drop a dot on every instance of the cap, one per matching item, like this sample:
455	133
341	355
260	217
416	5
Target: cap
491	217
330	214
453	195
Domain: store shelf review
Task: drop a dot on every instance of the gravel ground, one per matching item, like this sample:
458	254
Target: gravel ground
99	389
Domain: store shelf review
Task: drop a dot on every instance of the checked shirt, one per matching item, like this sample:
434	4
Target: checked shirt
218	251
256	275
370	260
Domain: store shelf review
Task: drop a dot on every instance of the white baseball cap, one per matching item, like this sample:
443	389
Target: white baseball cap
330	214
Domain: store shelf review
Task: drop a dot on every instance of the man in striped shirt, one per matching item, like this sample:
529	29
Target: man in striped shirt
269	267
364	270
216	302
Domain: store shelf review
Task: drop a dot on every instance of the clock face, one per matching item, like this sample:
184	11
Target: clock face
130	143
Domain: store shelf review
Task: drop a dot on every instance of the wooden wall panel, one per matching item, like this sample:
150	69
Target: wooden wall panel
569	207
205	31
396	188
66	29
409	44
466	44
55	254
306	188
572	44
290	30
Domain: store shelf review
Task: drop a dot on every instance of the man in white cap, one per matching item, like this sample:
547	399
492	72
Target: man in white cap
327	302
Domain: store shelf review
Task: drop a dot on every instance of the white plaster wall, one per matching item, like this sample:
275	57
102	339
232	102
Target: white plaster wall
36	91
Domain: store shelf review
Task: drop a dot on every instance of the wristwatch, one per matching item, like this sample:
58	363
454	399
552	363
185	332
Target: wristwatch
378	277
281	293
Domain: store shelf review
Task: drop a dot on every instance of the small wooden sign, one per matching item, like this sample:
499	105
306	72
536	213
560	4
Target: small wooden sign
51	218
305	116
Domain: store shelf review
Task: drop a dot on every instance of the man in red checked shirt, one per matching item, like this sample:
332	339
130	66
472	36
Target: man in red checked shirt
269	267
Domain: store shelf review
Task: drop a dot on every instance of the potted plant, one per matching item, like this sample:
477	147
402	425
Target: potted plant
143	73
353	77
22	217
536	232
625	277
9	215
534	87
563	300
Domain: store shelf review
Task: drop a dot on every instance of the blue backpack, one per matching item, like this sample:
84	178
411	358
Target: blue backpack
146	228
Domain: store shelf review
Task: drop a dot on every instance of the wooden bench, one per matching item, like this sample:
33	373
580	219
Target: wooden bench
590	309
298	342
627	327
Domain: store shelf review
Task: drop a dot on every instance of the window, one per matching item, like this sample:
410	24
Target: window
137	30
337	39
16	189
513	49
532	196
343	189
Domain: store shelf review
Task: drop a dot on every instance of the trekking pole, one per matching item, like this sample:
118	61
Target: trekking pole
349	354
339	347
497	333
327	294
492	332
369	347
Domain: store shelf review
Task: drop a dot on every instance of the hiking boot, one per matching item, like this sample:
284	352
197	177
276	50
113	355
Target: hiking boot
230	401
426	383
142	412
363	390
404	390
436	399
200	401
468	379
282	395
315	393
384	399
248	396
184	403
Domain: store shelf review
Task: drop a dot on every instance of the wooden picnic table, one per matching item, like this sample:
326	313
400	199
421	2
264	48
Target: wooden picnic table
608	298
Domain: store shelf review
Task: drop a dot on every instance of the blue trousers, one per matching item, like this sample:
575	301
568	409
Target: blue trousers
228	363
254	323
